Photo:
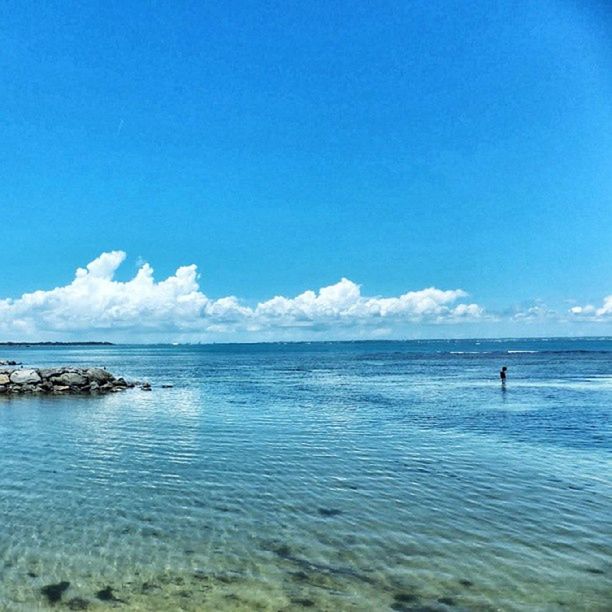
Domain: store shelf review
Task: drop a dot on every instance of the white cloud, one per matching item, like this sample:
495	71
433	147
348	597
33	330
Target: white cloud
594	313
96	304
536	313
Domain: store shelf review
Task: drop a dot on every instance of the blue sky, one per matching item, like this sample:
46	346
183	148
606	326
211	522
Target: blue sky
282	146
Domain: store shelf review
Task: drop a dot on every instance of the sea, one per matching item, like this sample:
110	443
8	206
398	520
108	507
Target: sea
323	476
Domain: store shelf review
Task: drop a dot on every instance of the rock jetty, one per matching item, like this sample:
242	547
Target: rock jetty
62	381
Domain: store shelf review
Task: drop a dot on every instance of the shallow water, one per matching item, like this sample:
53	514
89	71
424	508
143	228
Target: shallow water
341	476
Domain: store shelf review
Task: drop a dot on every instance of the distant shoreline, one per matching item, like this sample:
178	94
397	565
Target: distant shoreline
56	344
311	342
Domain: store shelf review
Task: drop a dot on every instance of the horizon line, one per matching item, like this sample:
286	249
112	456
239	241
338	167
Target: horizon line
99	343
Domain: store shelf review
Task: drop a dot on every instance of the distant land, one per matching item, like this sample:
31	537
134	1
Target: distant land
56	343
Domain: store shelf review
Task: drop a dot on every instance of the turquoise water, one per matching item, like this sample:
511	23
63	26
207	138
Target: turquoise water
340	476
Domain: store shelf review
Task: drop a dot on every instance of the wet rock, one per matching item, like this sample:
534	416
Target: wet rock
3	389
447	601
225	579
595	570
145	387
167	386
232	596
329	512
283	551
466	583
78	603
150	532
54	592
405	597
32	574
106	594
305	603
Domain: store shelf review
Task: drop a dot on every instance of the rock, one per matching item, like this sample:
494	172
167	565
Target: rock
78	603
54	592
145	386
302	602
329	512
106	594
447	601
76	381
405	597
20	377
71	378
99	375
49	372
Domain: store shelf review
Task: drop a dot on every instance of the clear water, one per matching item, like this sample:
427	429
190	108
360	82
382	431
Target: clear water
341	476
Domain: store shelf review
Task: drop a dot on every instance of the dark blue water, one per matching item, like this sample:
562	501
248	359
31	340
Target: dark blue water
366	475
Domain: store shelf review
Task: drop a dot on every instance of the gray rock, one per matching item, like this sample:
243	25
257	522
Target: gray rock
71	379
20	377
49	372
99	375
62	380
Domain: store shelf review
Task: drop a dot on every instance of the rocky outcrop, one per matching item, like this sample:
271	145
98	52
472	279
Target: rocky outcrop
61	381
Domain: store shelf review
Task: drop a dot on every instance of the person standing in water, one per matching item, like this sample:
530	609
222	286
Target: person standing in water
502	375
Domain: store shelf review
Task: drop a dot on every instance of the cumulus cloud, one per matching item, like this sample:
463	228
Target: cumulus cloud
537	313
95	302
594	313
